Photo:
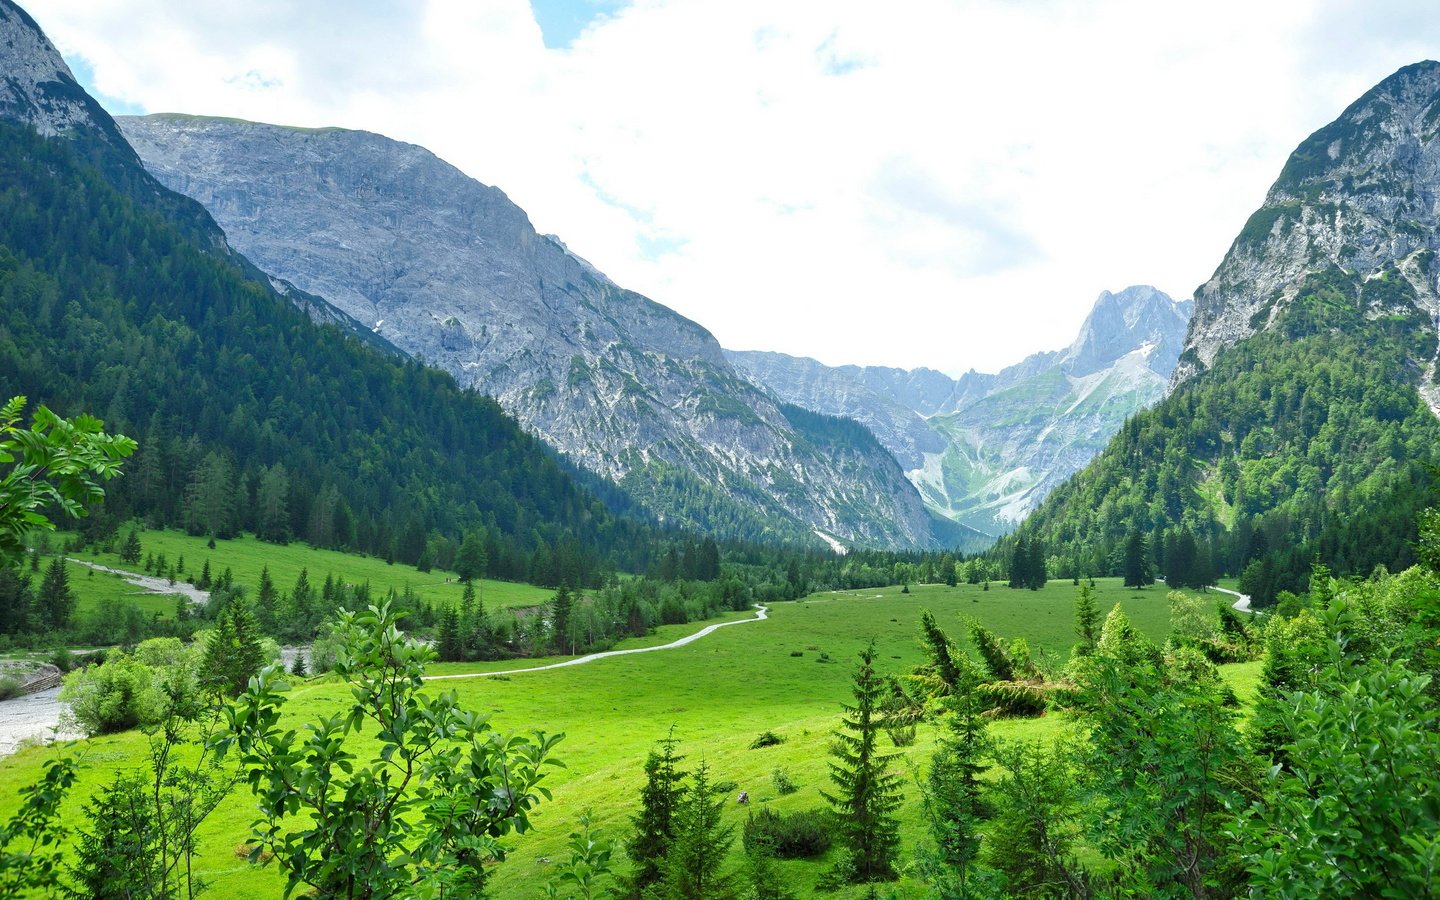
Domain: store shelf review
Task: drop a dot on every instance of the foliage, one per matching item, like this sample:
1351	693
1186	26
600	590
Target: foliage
117	695
951	795
233	655
417	817
692	868
1358	812
766	739
784	784
655	823
867	793
588	866
31	840
1034	833
804	834
54	463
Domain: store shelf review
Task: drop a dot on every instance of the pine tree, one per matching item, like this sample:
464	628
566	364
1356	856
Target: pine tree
952	800
655	824
470	562
867	792
299	670
130	551
233	655
272	501
1035	574
448	644
1138	572
692	867
560	608
56	601
265	601
1020	564
1087	620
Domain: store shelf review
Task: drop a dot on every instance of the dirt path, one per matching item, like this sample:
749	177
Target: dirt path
1243	604
760	616
149	584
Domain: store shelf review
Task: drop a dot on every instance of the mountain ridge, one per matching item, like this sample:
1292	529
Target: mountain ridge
452	271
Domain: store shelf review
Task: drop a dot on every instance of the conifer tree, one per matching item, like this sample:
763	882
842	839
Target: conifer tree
867	793
1020	564
1138	571
560	608
1035	574
233	655
448	644
56	601
692	867
952	801
265	601
130	551
1087	620
655	823
470	562
300	670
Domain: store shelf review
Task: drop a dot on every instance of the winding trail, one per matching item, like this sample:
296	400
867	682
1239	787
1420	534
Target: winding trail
760	616
1243	604
149	584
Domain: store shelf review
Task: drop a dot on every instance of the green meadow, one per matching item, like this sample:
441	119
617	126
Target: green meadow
788	674
246	556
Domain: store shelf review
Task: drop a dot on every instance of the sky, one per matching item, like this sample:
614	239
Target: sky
911	183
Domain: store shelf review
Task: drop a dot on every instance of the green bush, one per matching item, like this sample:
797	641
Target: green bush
800	835
766	739
116	696
784	784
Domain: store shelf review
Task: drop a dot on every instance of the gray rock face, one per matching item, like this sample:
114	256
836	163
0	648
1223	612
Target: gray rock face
452	272
985	449
36	86
1360	197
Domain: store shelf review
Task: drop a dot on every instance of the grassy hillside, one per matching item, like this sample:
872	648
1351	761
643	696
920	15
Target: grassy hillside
719	694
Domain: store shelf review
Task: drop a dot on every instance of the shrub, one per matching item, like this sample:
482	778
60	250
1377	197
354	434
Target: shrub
783	783
766	739
9	687
800	835
797	652
116	696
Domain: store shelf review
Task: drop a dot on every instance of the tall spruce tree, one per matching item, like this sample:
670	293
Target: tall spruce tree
1020	563
655	823
56	601
1087	620
692	867
867	793
1137	569
470	561
233	655
560	608
952	801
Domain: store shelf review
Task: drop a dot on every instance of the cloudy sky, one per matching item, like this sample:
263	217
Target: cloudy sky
917	182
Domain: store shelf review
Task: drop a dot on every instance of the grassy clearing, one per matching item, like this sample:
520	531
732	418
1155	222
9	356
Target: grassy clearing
718	694
246	556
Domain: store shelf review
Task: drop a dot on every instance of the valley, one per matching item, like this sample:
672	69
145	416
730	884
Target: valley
386	547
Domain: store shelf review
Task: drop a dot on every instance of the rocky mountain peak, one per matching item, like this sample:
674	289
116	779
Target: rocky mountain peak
1139	317
38	89
1357	206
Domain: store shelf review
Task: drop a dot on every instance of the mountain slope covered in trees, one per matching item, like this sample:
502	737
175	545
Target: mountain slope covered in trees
453	272
1298	427
120	297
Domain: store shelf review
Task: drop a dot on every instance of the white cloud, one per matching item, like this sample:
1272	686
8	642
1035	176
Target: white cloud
923	183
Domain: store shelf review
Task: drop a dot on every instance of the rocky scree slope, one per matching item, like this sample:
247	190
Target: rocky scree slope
452	271
1358	201
985	449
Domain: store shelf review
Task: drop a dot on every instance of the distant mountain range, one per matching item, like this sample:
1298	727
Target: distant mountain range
453	273
985	449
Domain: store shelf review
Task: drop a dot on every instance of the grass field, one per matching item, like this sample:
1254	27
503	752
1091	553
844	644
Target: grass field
246	556
718	693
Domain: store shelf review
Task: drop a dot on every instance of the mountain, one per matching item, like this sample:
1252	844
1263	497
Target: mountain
452	271
1297	427
984	449
120	297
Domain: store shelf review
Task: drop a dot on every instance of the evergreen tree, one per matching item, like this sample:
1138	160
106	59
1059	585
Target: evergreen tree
692	867
952	801
56	601
299	670
1138	571
448	643
272	506
1035	574
266	601
655	824
560	609
1087	620
1020	563
130	551
867	792
470	562
233	655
